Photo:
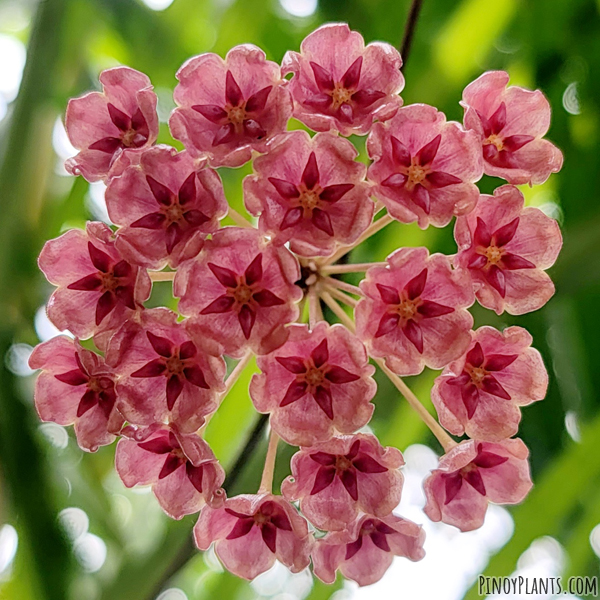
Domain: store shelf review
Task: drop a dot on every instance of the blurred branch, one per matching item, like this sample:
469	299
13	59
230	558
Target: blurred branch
409	30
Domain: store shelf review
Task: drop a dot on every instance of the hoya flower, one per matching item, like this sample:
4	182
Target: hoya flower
250	532
182	469
480	393
473	474
76	387
166	205
97	288
340	84
414	311
506	248
511	122
317	383
310	192
425	168
164	375
103	125
365	551
337	479
239	292
227	108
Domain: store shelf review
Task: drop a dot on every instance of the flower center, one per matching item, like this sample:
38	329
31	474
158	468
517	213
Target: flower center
340	95
174	365
496	140
109	282
493	254
407	309
478	374
261	518
309	199
242	293
342	463
368	527
416	174
173	213
128	137
236	115
314	377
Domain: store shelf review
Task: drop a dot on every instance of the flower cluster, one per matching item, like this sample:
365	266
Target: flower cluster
257	290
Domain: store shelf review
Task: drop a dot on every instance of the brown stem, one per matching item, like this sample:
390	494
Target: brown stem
409	30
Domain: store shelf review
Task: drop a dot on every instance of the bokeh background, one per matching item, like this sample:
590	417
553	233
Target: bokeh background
69	530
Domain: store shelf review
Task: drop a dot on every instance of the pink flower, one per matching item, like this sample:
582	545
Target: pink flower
414	313
239	292
473	474
182	469
164	375
511	123
340	84
102	125
166	206
365	551
76	387
480	393
252	531
311	192
318	382
97	289
336	479
425	168
506	248
227	108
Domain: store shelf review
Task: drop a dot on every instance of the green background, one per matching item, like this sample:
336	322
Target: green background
549	44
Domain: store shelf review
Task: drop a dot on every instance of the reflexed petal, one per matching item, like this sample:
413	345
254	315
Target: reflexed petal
150	221
125	294
353	547
351	77
106	303
414	334
380	541
222	304
345	113
174	388
88	400
497	362
241	528
395	180
161	345
194	475
482	236
321	220
439	179
348	478
258	100
254	271
246	318
161	192
187	350
122	269
109	145
225	276
75	377
427	153
187	191
88	283
292	217
432	309
212	112
253	129
516	142
489	460
266	299
496	279
470	398
196	377
475	356
367	464
172	463
100	260
388	294
332	193
173	236
322	78
453	483
421	198
414	288
460	380
323	398
340	375
224	135
474	479
269	536
478	261
323	458
152	369
353	450
388	323
400	153
118	117
491	386
158	445
506	233
512	262
233	93
294	364
365	98
284	188
195	218
320	354
310	175
497	121
295	391
323	479
280	519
